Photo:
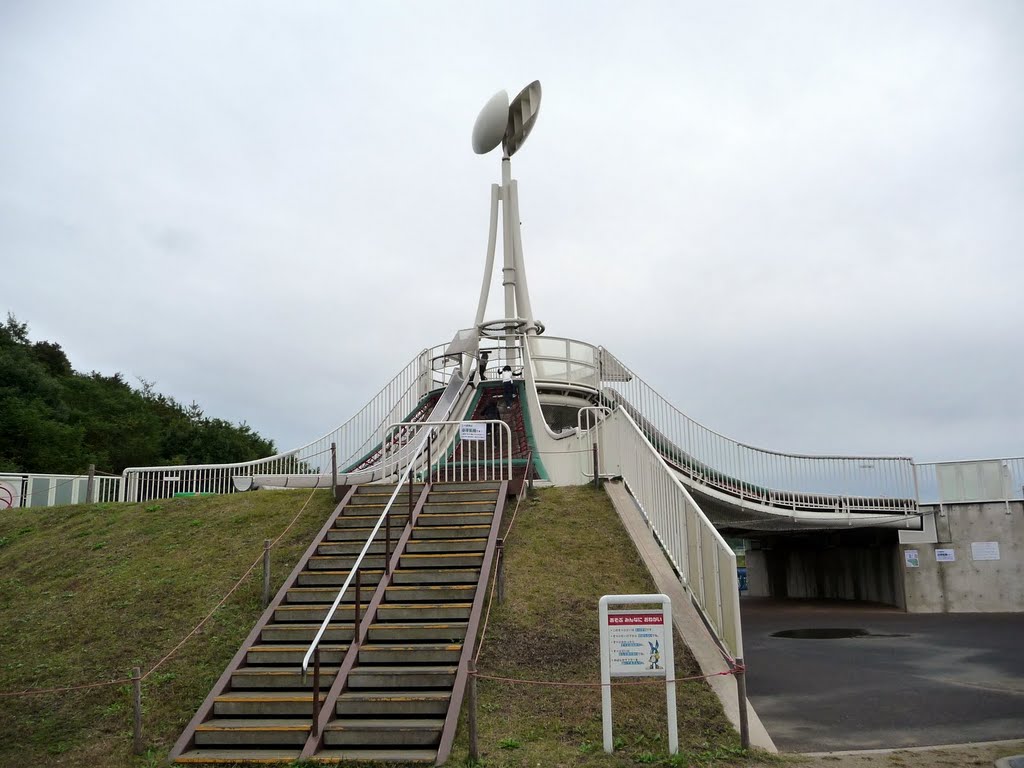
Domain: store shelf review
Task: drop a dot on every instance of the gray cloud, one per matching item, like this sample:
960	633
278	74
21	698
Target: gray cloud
800	222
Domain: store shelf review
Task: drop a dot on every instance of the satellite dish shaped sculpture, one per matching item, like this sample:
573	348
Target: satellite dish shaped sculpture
507	124
491	124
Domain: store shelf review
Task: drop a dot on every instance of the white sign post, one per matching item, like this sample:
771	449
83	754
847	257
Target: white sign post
637	643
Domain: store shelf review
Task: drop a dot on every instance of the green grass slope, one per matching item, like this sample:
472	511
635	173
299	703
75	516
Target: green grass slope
565	550
88	592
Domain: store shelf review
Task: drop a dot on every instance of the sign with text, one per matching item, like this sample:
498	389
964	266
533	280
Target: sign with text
945	555
470	431
984	550
636	643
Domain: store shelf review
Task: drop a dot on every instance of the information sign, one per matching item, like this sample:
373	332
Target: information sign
636	643
910	555
472	431
945	555
984	550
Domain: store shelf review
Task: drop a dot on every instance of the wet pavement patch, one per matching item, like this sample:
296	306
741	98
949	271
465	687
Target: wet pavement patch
827	633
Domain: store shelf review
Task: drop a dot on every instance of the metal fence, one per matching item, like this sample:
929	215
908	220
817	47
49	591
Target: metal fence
878	484
705	563
457	451
43	490
409	393
984	480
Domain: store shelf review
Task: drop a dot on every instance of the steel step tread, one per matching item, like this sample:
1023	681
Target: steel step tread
268	696
385	724
254	724
395	695
378	755
232	756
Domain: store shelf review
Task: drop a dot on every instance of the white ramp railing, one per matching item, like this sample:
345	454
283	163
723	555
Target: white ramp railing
356	440
31	489
878	484
705	563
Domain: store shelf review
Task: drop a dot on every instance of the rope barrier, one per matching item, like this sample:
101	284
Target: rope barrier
567	684
63	689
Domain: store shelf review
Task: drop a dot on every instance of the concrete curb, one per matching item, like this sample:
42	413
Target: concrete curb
685	616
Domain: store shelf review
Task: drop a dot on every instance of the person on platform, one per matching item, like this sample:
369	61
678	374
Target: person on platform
507	385
482	368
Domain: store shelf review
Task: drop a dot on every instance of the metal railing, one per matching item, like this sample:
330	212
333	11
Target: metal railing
44	490
475	451
705	563
418	462
980	481
878	484
355	440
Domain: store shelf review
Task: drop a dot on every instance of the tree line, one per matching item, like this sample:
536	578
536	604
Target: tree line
53	419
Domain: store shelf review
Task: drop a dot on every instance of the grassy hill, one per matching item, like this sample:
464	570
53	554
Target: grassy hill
88	592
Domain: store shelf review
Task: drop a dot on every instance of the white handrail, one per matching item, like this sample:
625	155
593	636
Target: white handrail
773	478
700	555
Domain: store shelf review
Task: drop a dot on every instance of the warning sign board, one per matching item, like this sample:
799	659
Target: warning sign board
636	643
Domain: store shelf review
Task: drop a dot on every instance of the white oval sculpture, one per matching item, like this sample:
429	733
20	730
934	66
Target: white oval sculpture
489	129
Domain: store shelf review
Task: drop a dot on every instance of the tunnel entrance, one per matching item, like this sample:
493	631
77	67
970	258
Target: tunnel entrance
845	565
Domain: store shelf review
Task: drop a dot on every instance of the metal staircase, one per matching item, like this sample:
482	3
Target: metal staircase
393	695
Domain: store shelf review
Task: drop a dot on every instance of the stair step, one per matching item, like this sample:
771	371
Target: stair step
292	654
410	653
355	547
324	578
450	531
453	495
280	677
317	595
406	731
264	704
341	562
304	633
379	755
362	532
318	612
454	518
252	731
481	485
423	612
403	632
402	677
441	560
403	576
394	702
430	592
422	546
240	755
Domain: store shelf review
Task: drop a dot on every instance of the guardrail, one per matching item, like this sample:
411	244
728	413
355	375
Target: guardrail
878	484
979	481
475	451
705	563
406	394
43	490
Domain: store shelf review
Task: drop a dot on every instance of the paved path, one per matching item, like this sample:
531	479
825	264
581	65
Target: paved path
915	680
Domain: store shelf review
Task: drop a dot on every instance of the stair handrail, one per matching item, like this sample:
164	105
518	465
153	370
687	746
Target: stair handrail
458	384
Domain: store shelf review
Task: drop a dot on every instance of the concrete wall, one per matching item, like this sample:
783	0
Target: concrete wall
968	585
857	565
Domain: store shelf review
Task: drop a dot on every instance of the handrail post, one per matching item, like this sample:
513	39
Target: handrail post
334	472
355	625
90	484
741	694
315	729
500	555
266	572
597	477
387	541
137	707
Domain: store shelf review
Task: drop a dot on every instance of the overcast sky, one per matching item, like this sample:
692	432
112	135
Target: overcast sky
803	223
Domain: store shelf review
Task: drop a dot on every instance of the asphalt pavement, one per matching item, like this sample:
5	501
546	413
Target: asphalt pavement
892	679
